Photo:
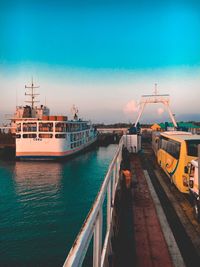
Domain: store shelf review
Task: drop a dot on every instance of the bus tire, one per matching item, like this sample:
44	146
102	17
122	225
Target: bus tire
196	211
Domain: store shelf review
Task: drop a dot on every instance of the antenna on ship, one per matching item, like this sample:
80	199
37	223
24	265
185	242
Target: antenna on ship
32	94
156	89
74	111
16	98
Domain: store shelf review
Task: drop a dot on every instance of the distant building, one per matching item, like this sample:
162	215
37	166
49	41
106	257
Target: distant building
183	126
155	127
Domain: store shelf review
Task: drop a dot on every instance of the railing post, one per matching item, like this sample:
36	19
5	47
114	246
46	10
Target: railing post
113	184
117	169
108	205
97	242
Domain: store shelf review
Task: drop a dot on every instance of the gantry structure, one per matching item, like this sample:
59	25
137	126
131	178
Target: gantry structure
155	98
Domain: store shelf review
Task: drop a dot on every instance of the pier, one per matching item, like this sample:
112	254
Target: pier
148	222
108	136
119	131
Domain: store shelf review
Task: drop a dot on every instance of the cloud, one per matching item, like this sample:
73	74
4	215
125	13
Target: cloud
160	111
131	107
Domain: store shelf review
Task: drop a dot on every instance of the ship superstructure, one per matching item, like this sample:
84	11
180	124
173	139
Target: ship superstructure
30	111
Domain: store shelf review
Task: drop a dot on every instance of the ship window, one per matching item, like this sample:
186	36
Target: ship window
46	127
29	135
78	127
85	126
60	127
72	128
30	127
45	135
18	135
18	127
60	135
67	125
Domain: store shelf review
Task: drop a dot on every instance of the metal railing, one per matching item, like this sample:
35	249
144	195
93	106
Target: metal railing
93	224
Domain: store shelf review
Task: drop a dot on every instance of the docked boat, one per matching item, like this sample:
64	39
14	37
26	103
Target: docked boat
41	136
52	137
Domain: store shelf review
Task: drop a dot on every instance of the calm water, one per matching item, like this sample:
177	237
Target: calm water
43	205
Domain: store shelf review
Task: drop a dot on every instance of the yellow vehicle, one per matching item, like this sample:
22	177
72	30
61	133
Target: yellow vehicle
175	151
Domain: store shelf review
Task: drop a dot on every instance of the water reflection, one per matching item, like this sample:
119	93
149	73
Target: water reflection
38	173
37	180
43	205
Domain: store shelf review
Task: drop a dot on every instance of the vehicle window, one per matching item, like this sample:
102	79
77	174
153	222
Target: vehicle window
172	147
192	147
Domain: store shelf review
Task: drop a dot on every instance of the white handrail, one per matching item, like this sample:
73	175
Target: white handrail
93	223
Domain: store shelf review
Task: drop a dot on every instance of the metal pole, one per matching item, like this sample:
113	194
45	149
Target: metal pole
117	169
97	246
170	114
108	205
199	168
113	184
140	113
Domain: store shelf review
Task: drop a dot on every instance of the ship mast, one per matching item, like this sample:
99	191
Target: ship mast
74	111
32	94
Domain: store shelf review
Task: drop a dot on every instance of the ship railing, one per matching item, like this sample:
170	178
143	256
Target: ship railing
93	225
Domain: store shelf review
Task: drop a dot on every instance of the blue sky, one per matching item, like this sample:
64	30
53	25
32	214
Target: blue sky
101	55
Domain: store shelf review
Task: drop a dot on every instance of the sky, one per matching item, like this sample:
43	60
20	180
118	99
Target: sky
101	56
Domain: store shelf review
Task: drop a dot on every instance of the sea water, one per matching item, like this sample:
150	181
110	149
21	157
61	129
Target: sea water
44	204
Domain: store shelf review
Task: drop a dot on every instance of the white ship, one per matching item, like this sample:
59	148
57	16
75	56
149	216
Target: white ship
41	136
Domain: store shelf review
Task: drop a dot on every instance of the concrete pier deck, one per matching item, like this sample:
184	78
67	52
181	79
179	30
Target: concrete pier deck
144	238
154	241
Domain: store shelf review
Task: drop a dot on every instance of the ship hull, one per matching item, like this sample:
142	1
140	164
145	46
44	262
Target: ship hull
54	155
